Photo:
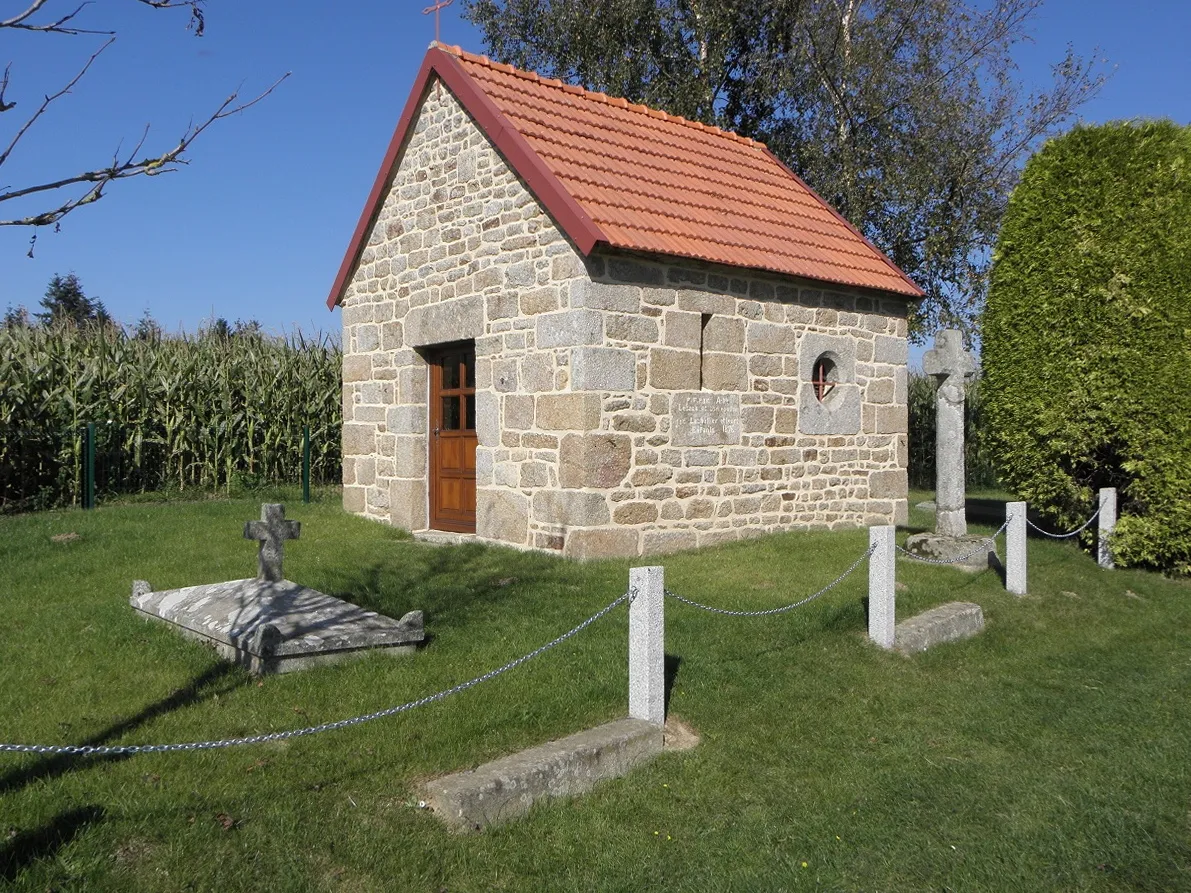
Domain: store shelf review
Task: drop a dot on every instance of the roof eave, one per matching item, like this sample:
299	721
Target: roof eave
545	186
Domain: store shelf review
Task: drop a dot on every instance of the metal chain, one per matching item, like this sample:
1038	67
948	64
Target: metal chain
314	730
1063	536
965	557
781	610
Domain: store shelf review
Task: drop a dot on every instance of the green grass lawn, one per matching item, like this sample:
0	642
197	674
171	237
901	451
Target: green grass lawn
1049	753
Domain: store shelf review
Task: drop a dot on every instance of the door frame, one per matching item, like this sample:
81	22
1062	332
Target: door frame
437	519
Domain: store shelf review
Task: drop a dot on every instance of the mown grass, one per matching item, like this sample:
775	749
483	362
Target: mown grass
1048	753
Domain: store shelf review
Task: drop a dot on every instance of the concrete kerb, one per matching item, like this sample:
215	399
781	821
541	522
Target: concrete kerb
508	787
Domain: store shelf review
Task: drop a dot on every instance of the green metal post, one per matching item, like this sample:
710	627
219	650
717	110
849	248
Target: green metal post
306	463
89	495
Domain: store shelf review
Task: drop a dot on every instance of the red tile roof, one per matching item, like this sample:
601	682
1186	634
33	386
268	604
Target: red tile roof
626	176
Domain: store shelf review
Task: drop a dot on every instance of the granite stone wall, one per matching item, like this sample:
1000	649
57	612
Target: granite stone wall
625	405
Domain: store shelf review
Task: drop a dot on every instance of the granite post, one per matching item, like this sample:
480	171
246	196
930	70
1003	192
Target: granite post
1015	548
647	658
881	585
952	366
1108	523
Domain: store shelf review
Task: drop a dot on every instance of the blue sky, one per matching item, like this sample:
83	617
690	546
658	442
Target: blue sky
256	226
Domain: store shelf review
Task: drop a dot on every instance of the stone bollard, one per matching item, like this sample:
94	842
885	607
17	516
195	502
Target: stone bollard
1108	522
881	584
1015	548
647	645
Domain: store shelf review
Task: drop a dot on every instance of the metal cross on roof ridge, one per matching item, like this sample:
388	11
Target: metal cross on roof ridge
272	530
441	4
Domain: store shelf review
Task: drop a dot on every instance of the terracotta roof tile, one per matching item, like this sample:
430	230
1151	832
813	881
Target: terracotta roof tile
640	179
655	182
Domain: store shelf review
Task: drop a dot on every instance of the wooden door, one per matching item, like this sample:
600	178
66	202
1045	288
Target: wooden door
453	438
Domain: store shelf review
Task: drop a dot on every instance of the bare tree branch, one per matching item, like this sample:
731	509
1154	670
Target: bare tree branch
123	165
123	170
55	27
17	19
45	104
59	26
5	106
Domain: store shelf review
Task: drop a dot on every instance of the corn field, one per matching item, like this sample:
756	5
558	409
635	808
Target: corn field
977	462
170	414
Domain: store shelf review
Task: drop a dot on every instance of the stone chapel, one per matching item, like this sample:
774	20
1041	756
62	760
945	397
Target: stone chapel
575	324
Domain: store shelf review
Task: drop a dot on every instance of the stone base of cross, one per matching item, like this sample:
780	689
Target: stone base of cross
272	530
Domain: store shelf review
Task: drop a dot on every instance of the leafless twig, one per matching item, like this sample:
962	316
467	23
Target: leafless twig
123	166
21	21
49	98
122	170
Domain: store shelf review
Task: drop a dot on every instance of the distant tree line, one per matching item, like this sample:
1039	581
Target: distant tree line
67	304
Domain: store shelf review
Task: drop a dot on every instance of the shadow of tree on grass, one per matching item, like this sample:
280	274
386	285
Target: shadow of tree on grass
445	582
218	679
44	842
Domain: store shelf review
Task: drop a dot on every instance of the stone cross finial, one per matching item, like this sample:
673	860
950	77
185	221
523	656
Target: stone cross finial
272	530
952	366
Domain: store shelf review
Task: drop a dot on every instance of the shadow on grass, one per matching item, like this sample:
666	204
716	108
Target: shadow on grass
444	582
30	846
214	681
670	672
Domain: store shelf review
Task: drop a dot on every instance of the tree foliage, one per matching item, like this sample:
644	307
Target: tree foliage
1087	335
66	303
903	115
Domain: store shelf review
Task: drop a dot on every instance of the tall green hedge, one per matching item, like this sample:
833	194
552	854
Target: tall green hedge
1087	335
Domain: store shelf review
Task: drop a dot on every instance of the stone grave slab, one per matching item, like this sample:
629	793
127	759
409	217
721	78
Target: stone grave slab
506	788
966	553
277	627
951	622
271	624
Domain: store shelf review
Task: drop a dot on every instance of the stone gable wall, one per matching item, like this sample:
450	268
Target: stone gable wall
582	364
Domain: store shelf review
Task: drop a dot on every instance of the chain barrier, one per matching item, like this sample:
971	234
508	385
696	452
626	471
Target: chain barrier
314	730
784	608
981	547
1063	536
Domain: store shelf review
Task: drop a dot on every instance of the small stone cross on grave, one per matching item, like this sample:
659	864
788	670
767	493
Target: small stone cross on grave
272	530
952	366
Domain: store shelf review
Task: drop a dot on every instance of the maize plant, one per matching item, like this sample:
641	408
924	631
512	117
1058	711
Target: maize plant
170	414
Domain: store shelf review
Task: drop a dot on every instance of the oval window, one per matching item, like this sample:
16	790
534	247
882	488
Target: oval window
824	377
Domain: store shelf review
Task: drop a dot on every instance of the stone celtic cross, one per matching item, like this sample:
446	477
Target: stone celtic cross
951	365
272	530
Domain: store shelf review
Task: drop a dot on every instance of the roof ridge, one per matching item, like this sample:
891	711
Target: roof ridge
614	101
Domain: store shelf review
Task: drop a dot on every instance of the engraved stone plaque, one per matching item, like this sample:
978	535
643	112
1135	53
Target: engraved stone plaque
704	419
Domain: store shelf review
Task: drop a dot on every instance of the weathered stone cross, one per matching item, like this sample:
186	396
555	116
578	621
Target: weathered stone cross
272	530
952	366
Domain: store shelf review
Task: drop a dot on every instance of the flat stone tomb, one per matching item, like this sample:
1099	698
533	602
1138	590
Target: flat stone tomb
952	622
277	627
271	625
